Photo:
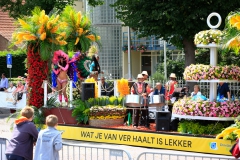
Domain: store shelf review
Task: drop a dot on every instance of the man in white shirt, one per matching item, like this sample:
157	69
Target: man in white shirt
3	83
11	88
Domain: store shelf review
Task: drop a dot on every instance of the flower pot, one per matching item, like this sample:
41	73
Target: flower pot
105	122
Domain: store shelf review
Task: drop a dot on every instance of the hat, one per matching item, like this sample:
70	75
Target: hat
139	76
144	72
172	75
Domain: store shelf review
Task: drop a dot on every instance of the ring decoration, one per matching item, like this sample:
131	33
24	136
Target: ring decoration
208	72
186	106
219	20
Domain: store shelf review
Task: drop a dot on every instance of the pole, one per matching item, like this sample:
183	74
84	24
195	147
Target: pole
129	55
45	92
10	73
213	62
71	91
165	59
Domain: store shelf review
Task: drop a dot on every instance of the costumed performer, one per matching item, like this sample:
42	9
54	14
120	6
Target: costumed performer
170	86
60	68
140	88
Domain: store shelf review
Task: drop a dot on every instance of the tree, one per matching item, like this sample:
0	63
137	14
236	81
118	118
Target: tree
19	8
174	20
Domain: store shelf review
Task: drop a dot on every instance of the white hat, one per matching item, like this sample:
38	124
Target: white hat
145	73
139	76
172	75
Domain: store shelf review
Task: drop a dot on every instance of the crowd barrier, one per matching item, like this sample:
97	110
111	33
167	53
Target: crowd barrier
83	152
6	101
179	156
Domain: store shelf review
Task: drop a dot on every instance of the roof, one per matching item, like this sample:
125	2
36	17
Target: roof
7	26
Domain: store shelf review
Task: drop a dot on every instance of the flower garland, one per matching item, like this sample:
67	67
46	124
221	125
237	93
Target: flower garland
141	48
186	106
232	32
208	36
92	80
122	86
207	72
37	72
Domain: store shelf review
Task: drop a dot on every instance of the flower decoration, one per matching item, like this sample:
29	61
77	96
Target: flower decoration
78	31
107	112
123	87
92	80
141	48
42	30
207	72
186	106
208	36
125	48
232	32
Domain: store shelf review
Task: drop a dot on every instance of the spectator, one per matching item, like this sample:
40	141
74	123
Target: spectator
106	90
24	135
3	83
159	89
223	90
11	88
196	91
18	92
49	141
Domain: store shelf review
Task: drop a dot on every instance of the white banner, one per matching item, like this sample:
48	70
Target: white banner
6	101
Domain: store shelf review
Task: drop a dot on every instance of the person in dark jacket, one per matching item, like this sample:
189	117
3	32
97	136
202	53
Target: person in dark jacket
159	89
24	135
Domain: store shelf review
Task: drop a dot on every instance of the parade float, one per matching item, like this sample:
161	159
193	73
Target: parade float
71	32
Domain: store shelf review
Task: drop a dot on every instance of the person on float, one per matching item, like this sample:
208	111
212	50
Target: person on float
140	88
223	90
170	86
196	91
11	88
159	89
18	92
61	69
94	67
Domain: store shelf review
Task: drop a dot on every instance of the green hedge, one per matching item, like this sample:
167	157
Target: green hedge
18	63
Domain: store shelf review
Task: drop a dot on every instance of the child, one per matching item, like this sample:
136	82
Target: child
24	135
49	141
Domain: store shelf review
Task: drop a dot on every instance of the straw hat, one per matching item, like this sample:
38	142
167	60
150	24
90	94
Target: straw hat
139	76
172	75
145	73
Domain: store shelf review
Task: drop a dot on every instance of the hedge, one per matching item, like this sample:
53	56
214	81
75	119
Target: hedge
18	63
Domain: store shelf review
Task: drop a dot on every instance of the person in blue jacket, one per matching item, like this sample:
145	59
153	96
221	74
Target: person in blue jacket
159	89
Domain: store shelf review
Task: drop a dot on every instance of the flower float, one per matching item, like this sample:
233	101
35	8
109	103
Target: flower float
208	36
207	72
186	106
232	32
123	87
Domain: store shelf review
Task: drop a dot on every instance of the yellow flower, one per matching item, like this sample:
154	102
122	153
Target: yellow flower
29	37
91	37
49	25
80	31
79	17
43	36
41	29
24	24
56	19
98	37
77	40
62	42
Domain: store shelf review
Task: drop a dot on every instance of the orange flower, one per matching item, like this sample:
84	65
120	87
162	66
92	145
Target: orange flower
91	37
43	36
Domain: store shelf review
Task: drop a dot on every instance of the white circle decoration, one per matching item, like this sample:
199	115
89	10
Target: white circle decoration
219	20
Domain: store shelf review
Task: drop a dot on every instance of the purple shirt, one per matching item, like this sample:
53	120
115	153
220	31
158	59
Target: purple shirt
21	142
4	83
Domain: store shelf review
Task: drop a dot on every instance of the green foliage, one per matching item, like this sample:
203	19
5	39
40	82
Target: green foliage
22	8
16	115
201	127
81	111
18	63
95	3
39	118
52	101
157	76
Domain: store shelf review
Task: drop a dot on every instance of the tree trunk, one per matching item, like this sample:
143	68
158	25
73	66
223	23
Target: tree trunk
189	50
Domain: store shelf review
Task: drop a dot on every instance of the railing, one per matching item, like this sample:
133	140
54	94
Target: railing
80	152
3	142
179	156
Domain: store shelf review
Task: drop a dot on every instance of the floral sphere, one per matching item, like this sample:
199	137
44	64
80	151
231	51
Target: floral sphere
207	72
208	36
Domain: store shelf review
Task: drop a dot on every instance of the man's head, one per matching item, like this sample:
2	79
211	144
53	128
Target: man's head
11	84
158	86
102	79
145	75
221	83
3	75
140	77
173	76
27	112
51	120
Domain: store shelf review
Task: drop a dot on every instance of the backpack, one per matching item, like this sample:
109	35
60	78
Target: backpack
235	149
